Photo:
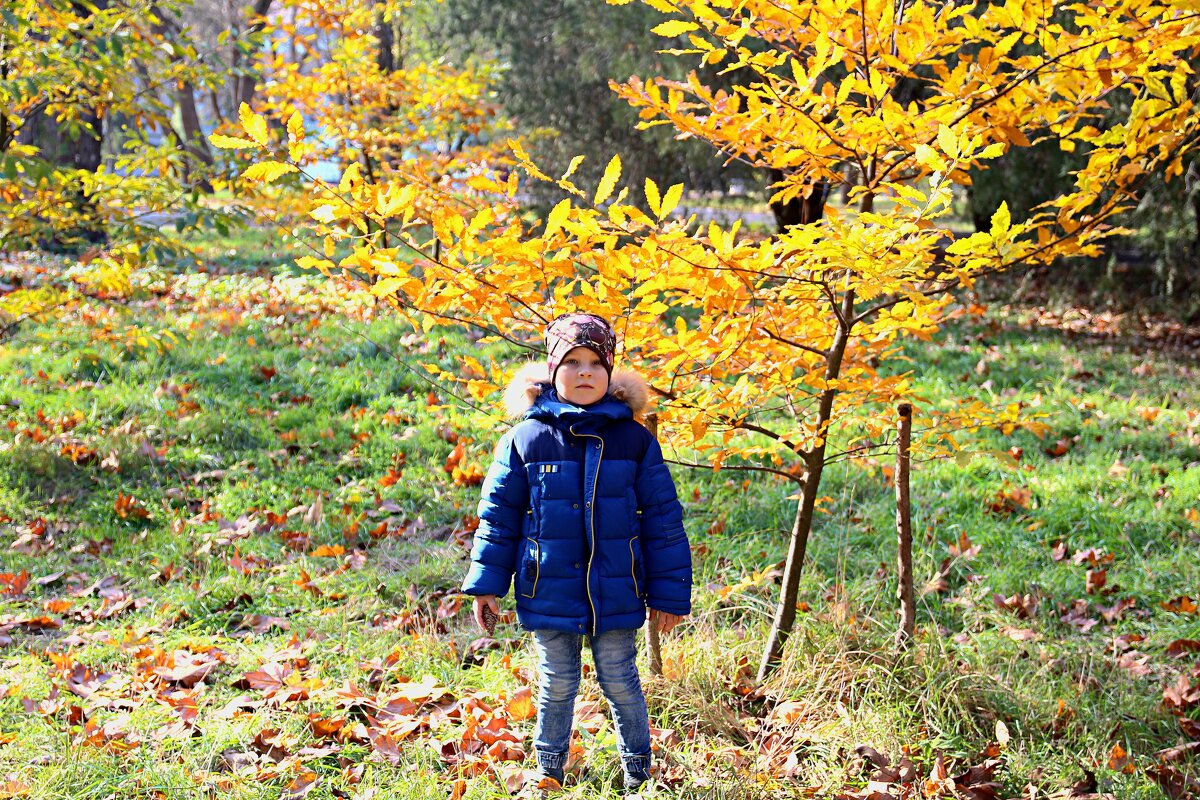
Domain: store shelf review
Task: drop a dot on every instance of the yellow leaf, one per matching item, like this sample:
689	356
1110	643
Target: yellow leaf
230	142
253	124
948	141
295	127
267	171
670	200
574	165
609	182
675	27
558	215
652	197
1001	220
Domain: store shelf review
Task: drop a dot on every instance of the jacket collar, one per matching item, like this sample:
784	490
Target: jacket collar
531	395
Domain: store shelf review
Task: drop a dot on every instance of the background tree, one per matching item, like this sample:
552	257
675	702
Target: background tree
554	83
774	355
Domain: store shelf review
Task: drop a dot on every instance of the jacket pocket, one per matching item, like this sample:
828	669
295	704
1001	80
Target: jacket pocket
635	565
531	566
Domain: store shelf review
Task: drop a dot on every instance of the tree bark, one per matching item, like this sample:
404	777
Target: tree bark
244	82
385	58
785	613
904	568
85	153
194	143
799	210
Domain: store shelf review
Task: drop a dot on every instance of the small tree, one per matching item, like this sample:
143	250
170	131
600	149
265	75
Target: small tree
774	354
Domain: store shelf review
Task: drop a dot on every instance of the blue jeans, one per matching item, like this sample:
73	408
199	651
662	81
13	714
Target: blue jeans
615	655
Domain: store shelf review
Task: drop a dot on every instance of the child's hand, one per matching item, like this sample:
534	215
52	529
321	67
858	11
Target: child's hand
487	610
664	622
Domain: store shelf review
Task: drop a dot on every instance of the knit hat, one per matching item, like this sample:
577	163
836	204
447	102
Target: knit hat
573	330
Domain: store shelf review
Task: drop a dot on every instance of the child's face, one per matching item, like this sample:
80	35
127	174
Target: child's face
581	378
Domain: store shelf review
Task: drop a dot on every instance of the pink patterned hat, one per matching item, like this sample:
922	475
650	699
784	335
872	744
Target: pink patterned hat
573	330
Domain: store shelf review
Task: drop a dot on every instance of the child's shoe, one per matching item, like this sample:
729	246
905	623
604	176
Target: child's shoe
637	776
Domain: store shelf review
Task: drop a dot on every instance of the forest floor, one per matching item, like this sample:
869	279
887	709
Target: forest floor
234	513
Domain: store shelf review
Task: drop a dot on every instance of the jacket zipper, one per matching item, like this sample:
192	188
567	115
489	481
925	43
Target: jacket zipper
633	568
537	566
592	522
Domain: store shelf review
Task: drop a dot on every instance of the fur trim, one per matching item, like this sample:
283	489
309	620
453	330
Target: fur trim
525	387
630	388
532	379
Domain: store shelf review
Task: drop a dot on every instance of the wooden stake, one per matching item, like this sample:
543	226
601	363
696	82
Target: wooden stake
904	588
653	649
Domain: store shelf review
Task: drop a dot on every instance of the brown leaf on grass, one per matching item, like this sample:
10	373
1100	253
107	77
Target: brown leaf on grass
1179	753
13	584
270	677
1020	634
963	548
324	728
187	668
1181	647
305	583
1059	448
1096	579
1076	615
521	706
1174	784
111	736
1093	557
1023	605
1118	609
1059	552
84	682
1182	695
1119	760
271	744
1009	500
1180	605
262	623
385	746
301	785
127	506
12	787
1190	727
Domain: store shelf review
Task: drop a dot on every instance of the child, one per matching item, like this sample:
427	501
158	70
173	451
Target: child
579	507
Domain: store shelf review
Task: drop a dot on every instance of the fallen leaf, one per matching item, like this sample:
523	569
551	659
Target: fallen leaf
1180	605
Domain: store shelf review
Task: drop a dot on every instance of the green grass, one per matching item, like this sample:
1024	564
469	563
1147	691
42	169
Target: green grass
235	394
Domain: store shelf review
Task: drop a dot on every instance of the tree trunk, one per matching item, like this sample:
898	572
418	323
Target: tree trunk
194	143
244	80
385	58
785	613
904	568
85	152
799	210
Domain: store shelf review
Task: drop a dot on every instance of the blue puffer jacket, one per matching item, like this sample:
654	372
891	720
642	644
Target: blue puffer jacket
580	508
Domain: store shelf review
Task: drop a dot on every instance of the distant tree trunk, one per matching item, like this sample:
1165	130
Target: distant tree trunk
385	32
243	79
799	210
190	135
194	143
904	568
83	152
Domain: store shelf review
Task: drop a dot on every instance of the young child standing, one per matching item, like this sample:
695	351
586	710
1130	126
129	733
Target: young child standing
580	514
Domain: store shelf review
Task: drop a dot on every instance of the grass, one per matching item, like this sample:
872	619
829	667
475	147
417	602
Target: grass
227	406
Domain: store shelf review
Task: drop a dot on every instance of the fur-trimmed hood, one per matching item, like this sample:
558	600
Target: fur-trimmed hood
533	380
